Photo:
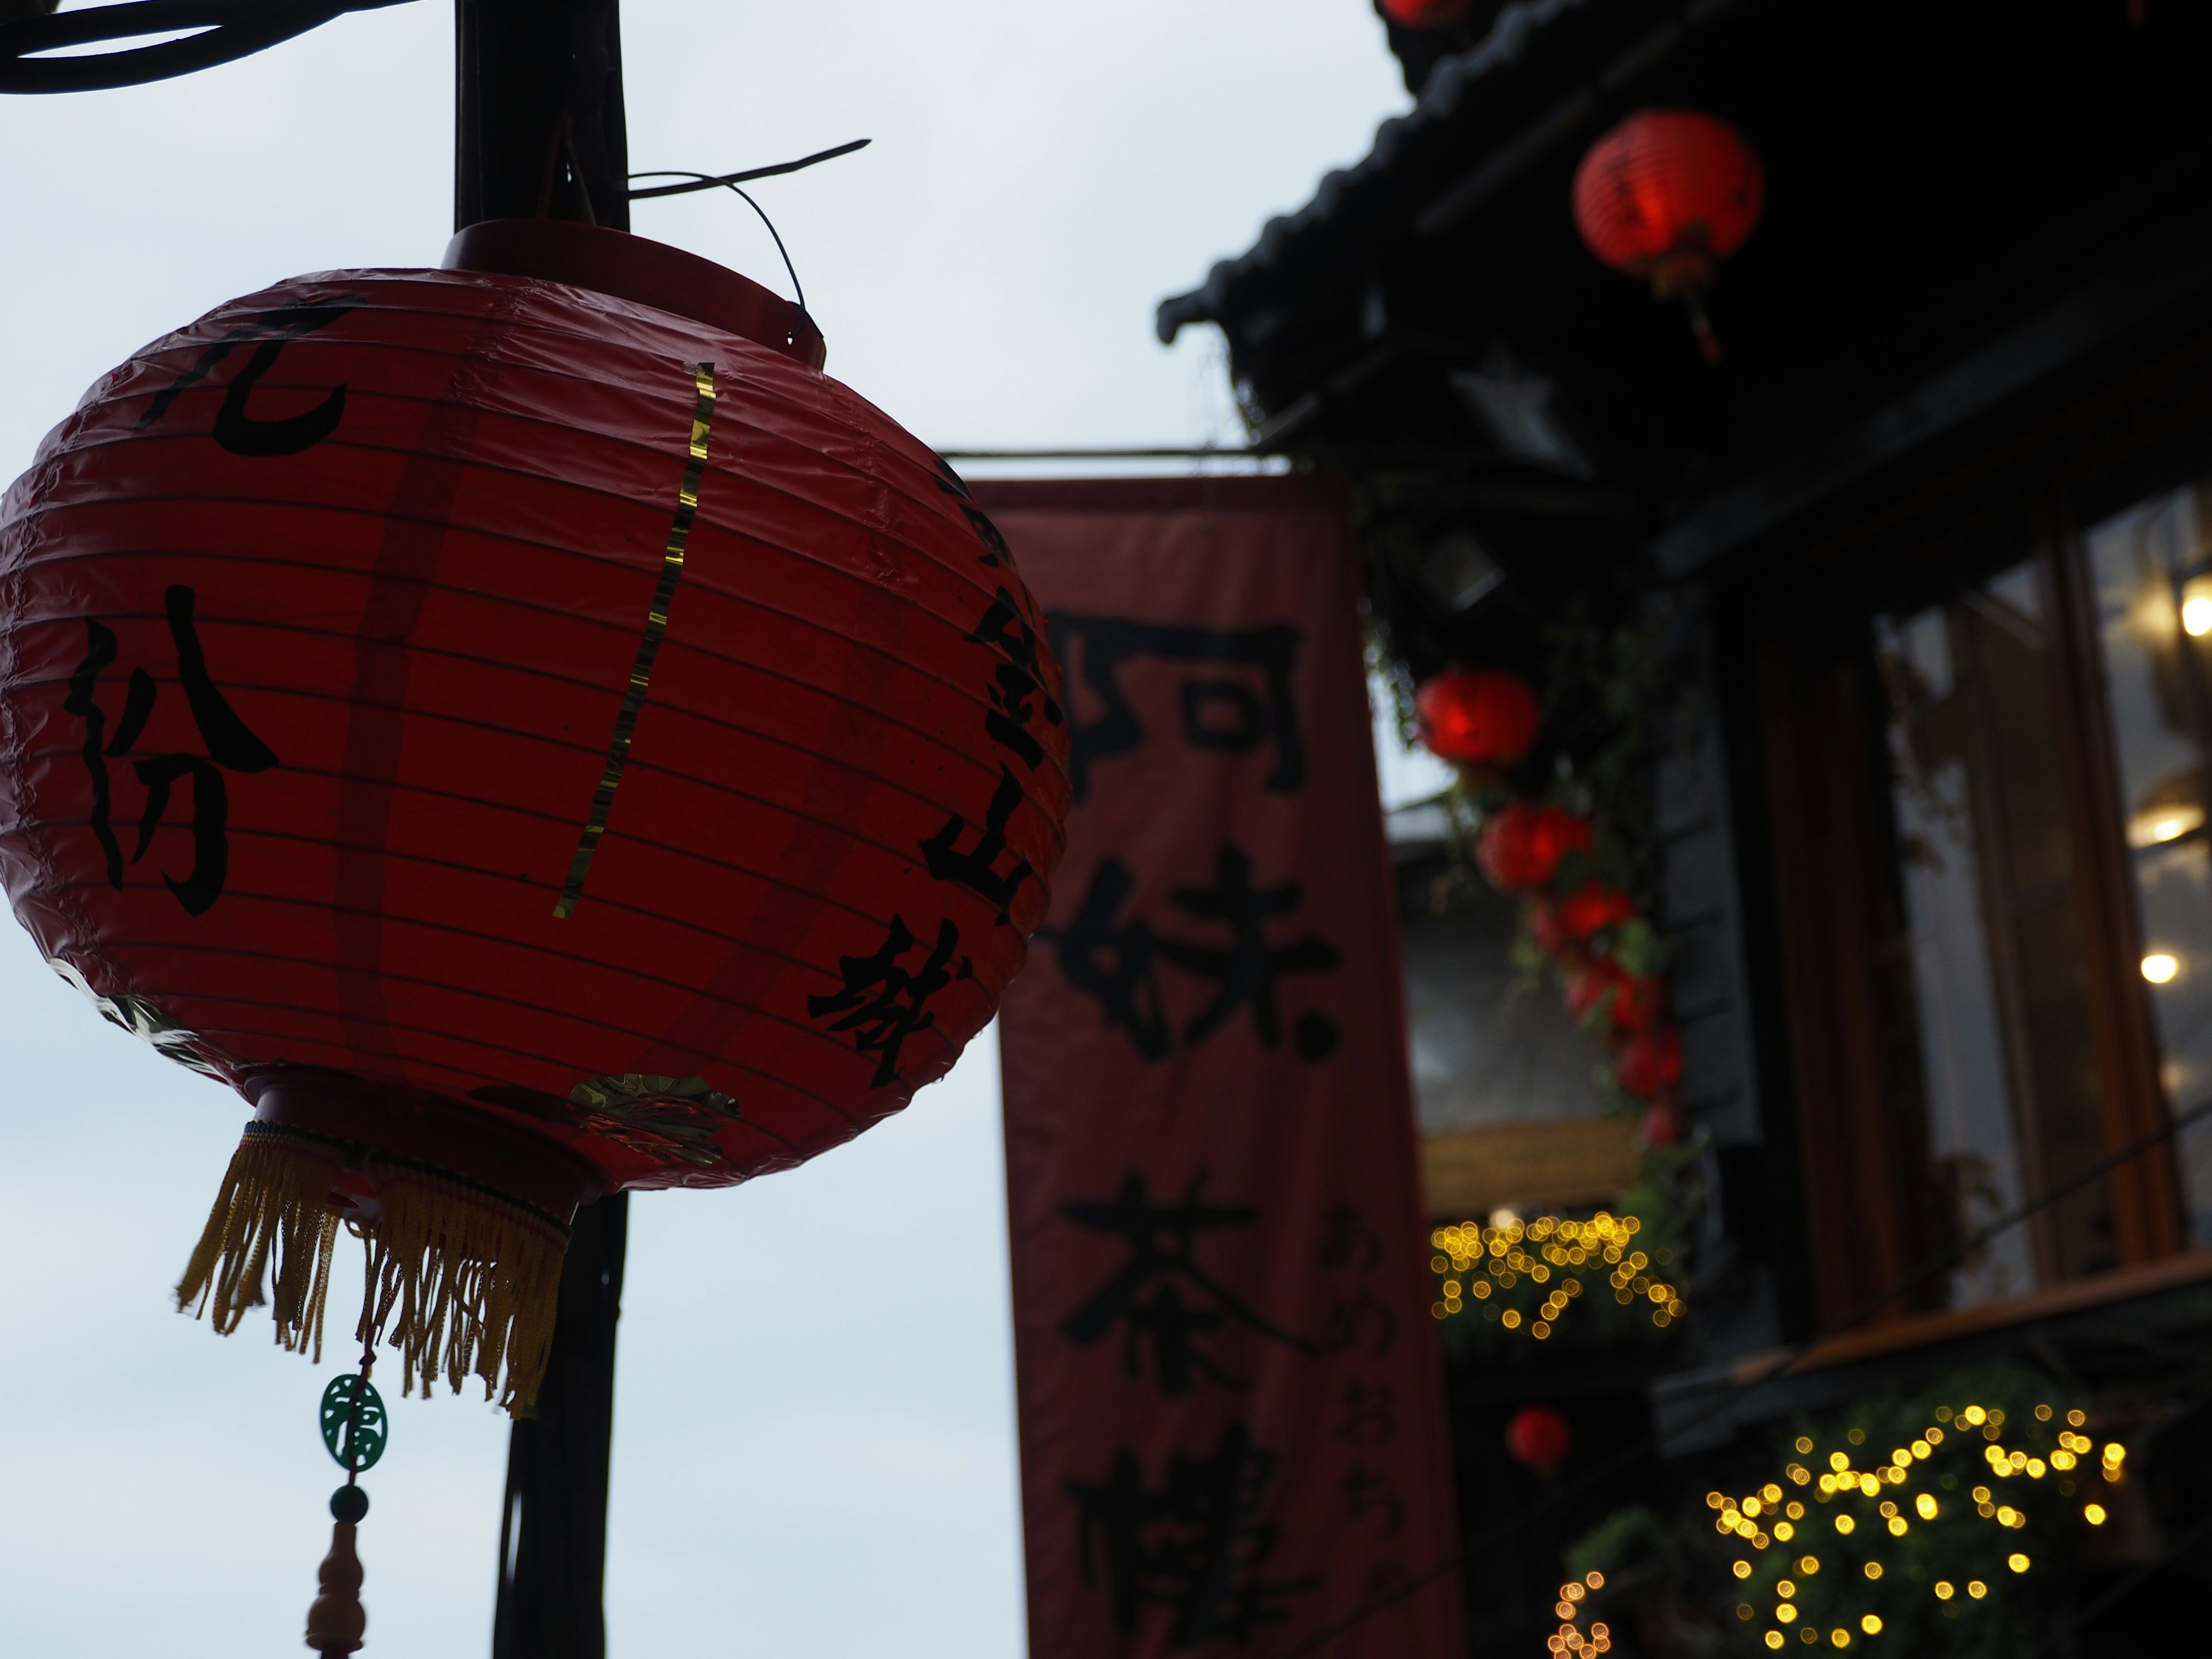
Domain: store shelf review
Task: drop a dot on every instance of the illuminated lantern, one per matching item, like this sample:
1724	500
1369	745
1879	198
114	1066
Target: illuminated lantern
1539	1438
533	739
1665	196
1426	14
1520	847
1649	1064
1477	716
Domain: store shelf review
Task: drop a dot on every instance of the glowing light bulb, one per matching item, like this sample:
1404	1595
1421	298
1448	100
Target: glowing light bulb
1976	1588
2196	616
2093	1514
1871	1624
2160	967
2017	1562
1943	1590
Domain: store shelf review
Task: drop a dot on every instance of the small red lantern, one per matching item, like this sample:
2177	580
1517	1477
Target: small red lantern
1593	908
1478	716
1520	848
534	738
1426	14
1665	196
1539	1438
1650	1062
1631	1004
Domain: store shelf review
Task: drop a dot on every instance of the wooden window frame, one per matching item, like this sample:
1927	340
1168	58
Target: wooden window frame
1824	759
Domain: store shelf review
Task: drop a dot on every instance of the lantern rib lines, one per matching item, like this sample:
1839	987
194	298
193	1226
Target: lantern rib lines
648	645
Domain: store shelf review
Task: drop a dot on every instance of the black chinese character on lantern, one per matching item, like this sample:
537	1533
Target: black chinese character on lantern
1196	1544
1104	957
883	1002
1161	1298
977	868
229	746
1221	714
234	429
1019	697
995	552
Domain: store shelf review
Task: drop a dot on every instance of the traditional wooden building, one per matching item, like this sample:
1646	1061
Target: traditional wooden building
1927	558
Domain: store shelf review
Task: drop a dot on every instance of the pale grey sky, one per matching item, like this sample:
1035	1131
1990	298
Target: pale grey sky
814	1457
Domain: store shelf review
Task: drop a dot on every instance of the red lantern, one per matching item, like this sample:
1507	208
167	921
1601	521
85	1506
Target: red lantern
1666	195
1650	1062
1593	908
532	742
1520	848
1539	1438
1477	716
1426	14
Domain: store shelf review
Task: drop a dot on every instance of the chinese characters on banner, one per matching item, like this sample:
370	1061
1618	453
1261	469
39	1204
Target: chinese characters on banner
1232	1414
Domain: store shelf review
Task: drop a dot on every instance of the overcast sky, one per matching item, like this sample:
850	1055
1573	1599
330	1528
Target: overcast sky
814	1455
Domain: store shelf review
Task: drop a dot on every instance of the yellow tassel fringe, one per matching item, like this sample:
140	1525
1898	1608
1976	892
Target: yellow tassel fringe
459	1280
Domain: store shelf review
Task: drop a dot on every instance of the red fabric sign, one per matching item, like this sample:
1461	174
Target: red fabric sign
1231	1413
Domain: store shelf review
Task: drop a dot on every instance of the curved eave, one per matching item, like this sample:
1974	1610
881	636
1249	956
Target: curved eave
1454	82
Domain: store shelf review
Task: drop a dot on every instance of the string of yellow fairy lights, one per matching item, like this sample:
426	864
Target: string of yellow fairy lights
1475	1264
1879	1502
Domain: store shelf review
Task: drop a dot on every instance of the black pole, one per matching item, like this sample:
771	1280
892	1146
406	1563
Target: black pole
553	1531
538	127
539	133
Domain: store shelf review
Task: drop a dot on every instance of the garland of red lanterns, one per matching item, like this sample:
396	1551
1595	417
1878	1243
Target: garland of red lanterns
1541	852
1664	198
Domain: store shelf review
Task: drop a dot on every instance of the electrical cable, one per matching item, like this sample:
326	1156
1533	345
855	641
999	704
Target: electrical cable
730	181
226	30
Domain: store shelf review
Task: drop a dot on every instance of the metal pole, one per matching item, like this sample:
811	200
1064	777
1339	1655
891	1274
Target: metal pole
553	1532
538	125
539	133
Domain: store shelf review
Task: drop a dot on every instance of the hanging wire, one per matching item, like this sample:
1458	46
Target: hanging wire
730	181
707	181
226	30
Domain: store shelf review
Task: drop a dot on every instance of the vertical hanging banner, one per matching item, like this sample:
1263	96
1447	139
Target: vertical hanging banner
1231	1409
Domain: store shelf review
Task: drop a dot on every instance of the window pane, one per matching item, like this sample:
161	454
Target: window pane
2006	1062
2155	613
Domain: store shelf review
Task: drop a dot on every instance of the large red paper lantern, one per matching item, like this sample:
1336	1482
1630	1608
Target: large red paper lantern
1478	716
1664	196
533	739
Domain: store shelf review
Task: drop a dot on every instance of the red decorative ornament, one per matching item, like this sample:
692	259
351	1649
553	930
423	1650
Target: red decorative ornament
1665	196
1539	1438
1661	1125
1478	716
1520	848
1649	1064
1426	14
1591	909
1629	1004
533	739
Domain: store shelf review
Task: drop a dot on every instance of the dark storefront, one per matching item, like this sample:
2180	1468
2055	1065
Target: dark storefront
1923	570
